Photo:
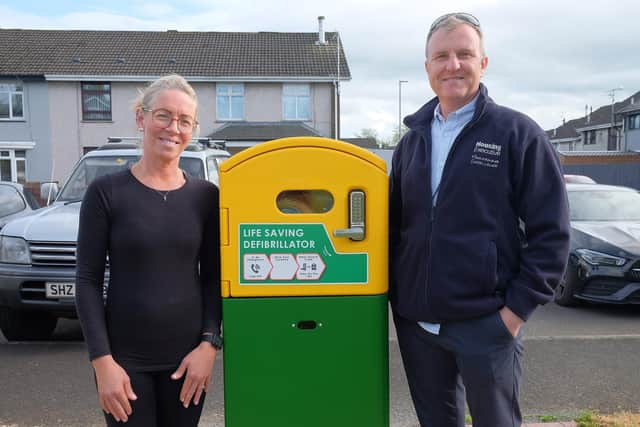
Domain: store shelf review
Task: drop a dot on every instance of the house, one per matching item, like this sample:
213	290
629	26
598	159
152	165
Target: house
62	93
595	132
631	119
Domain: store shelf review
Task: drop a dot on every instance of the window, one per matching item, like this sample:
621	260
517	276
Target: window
10	201
96	101
604	205
230	101
11	101
13	165
634	121
296	100
590	137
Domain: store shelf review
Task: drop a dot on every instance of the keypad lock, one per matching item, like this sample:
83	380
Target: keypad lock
356	230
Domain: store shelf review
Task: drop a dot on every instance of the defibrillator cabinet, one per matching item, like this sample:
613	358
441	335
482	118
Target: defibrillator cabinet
304	283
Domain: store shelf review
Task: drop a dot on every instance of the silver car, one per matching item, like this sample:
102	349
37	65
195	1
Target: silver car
38	252
15	201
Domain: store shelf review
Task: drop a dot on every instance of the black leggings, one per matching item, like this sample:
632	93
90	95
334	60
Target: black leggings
158	402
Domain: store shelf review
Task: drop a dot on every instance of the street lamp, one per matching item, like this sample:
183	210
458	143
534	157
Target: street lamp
400	108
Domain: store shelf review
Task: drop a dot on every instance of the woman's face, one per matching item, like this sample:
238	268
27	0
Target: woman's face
166	127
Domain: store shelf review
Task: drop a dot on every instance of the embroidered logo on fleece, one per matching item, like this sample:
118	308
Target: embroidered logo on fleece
487	155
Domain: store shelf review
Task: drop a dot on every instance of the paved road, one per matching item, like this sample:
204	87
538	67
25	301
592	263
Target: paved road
574	359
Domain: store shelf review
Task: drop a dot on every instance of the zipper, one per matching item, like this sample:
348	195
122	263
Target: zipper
455	144
434	201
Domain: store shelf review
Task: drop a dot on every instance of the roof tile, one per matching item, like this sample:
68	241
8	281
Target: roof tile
144	53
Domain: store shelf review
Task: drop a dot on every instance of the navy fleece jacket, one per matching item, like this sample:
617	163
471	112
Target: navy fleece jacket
499	232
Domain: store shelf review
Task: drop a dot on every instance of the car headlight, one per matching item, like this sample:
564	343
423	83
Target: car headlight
14	250
599	258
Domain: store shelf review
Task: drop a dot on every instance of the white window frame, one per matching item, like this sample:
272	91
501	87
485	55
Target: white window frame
293	90
226	90
13	162
9	88
99	96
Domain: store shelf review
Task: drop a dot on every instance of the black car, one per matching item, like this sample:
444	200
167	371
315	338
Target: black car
15	201
604	262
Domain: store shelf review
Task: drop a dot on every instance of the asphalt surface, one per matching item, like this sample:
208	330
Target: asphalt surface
575	359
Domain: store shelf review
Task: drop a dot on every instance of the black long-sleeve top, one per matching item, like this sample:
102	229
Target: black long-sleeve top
164	265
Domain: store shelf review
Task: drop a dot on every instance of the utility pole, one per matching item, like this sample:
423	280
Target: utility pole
614	131
337	88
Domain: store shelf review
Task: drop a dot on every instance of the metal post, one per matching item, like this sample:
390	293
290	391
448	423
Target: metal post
337	89
614	131
400	108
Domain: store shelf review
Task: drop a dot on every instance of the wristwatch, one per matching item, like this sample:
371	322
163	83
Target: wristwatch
214	339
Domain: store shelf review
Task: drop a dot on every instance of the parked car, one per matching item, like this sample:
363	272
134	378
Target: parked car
604	262
15	201
38	253
578	179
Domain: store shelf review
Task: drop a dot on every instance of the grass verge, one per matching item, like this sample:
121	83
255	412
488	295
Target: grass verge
620	419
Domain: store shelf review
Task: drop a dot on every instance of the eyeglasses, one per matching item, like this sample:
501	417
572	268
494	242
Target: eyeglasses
462	16
163	118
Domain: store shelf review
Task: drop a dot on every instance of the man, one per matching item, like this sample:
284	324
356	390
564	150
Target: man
479	236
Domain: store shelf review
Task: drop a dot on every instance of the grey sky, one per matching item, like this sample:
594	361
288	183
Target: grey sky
546	58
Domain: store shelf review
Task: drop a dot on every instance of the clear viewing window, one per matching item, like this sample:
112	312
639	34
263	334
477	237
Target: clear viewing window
304	201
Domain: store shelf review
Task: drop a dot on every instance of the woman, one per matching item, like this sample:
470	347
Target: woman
153	342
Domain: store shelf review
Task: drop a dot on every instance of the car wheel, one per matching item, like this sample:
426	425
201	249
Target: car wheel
18	325
563	294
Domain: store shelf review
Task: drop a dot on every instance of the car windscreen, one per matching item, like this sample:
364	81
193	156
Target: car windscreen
91	168
610	205
10	201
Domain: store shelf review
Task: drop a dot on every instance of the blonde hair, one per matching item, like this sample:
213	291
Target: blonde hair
147	95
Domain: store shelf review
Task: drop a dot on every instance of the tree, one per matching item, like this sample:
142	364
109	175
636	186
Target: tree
395	138
371	133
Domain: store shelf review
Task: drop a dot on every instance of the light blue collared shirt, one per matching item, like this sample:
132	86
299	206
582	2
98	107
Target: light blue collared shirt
443	133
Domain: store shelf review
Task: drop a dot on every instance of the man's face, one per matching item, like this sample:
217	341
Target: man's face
454	65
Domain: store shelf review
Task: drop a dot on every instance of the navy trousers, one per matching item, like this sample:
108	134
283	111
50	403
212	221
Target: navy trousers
478	358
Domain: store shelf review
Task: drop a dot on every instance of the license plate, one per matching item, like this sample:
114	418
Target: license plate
60	290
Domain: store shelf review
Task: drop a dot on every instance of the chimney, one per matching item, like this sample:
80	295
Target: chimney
321	39
586	110
564	121
555	131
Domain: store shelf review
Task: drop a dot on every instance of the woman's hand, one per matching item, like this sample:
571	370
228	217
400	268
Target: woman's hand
197	365
114	388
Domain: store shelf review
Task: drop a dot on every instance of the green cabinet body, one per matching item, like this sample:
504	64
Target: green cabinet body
306	361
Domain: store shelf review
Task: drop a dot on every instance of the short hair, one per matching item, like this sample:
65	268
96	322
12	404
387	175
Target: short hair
451	21
147	95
